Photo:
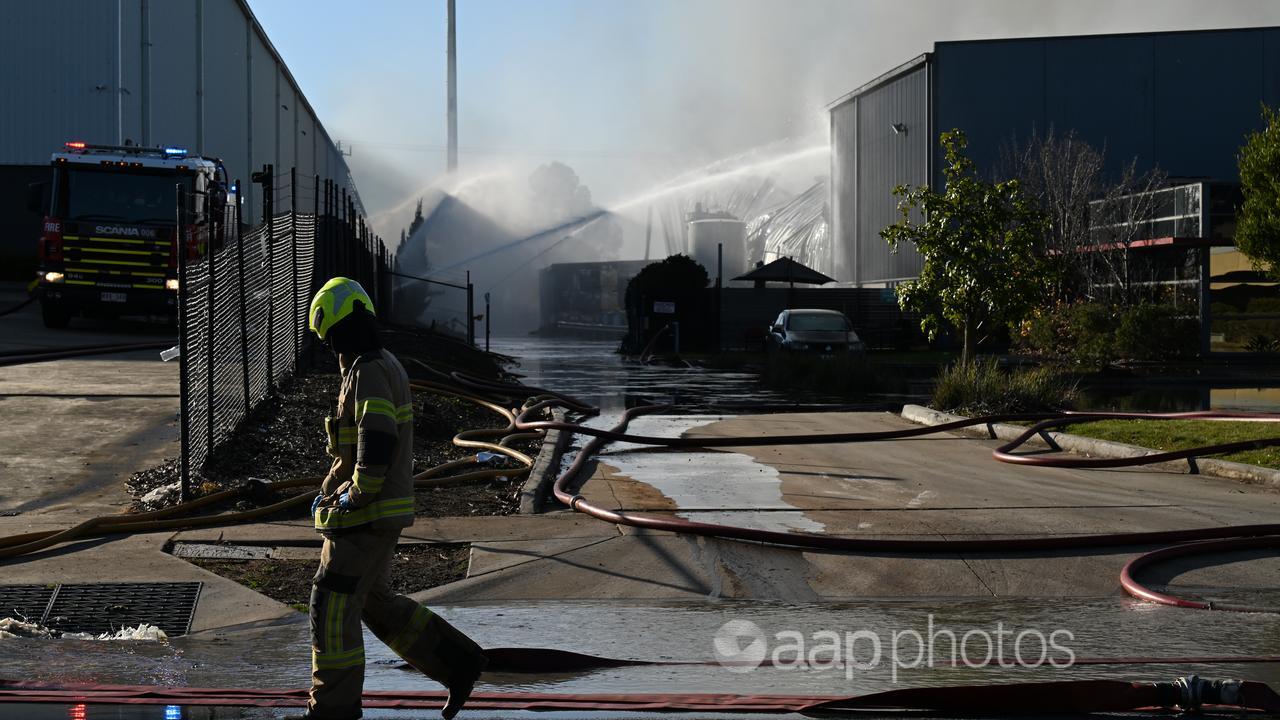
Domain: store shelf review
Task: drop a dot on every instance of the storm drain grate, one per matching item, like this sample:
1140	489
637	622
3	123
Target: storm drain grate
104	607
25	602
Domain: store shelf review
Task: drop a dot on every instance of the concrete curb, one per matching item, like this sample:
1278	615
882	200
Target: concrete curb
537	485
1102	448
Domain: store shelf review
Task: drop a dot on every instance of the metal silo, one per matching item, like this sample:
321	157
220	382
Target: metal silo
708	232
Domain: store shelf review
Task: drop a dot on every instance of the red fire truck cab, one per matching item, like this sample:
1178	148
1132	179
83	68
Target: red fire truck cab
108	246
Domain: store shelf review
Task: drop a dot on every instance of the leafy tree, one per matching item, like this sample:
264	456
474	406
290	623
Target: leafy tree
677	273
979	244
1258	222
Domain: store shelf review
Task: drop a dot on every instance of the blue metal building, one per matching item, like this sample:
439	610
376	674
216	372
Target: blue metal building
1182	101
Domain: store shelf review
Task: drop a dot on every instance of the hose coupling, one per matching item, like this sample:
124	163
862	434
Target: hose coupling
256	489
1195	692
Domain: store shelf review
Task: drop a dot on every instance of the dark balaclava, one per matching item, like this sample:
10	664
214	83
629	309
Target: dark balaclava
355	334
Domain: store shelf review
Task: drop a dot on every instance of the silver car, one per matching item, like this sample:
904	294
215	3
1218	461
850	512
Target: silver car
822	332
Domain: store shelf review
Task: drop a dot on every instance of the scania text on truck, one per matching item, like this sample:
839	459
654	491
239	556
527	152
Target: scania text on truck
108	246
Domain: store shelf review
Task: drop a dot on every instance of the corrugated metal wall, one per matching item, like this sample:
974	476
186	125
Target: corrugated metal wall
1183	101
870	159
196	73
887	159
51	97
844	196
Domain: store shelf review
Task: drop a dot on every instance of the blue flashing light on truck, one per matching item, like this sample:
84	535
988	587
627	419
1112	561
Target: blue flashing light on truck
108	246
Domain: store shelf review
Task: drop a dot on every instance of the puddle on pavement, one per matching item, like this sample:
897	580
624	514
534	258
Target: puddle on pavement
1110	627
594	372
701	482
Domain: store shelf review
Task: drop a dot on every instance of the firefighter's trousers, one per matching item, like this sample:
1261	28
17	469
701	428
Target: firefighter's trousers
351	585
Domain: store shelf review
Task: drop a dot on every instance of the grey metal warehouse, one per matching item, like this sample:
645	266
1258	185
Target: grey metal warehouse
200	74
1182	101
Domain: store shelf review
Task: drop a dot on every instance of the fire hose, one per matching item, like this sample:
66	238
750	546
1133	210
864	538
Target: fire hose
523	426
1187	693
22	357
15	308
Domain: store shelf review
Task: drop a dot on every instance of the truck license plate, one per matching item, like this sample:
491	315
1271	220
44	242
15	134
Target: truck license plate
113	297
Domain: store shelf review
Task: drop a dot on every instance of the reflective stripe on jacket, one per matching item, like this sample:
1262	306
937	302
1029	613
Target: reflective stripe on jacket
371	441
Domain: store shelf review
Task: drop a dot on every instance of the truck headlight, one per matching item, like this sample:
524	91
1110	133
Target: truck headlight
171	284
54	276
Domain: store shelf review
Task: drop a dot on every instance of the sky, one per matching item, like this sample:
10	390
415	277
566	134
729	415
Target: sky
631	92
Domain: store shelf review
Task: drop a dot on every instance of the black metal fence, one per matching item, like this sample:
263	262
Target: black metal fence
243	302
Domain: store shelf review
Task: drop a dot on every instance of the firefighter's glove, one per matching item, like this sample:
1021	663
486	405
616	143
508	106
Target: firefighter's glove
315	504
344	501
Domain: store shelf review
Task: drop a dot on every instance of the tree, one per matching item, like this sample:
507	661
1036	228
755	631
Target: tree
677	273
1258	222
979	245
1062	173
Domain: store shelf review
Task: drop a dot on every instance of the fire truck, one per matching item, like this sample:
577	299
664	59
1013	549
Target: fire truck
109	245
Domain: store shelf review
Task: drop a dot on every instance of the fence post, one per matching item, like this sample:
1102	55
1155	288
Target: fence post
269	206
486	322
209	339
471	312
343	245
315	268
328	229
244	314
293	227
184	390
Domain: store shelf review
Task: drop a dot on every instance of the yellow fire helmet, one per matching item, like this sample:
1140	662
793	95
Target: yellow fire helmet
336	300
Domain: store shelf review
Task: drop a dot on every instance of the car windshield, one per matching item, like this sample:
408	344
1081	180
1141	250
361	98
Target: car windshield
818	323
101	195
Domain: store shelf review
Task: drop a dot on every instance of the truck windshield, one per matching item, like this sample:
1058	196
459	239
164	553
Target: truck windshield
818	323
116	196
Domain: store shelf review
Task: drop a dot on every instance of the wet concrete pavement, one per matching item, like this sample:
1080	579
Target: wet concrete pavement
939	487
565	581
76	429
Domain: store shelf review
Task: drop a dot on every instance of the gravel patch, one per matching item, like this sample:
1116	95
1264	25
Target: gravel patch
415	567
283	439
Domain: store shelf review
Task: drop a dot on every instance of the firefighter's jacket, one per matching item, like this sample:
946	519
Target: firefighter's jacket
371	442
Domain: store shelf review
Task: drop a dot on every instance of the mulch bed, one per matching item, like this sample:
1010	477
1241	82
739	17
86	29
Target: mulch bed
416	567
284	439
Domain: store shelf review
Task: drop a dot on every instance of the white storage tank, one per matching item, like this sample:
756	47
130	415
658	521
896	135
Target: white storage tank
710	231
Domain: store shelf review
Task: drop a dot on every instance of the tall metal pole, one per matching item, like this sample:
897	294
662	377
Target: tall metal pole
452	82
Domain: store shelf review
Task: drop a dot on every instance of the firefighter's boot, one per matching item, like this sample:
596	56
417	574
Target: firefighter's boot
427	642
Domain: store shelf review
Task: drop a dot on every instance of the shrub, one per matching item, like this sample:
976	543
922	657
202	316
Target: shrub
1262	344
1095	334
1045	331
1156	332
983	388
1090	333
1264	305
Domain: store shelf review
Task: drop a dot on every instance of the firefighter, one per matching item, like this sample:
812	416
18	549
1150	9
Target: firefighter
365	501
